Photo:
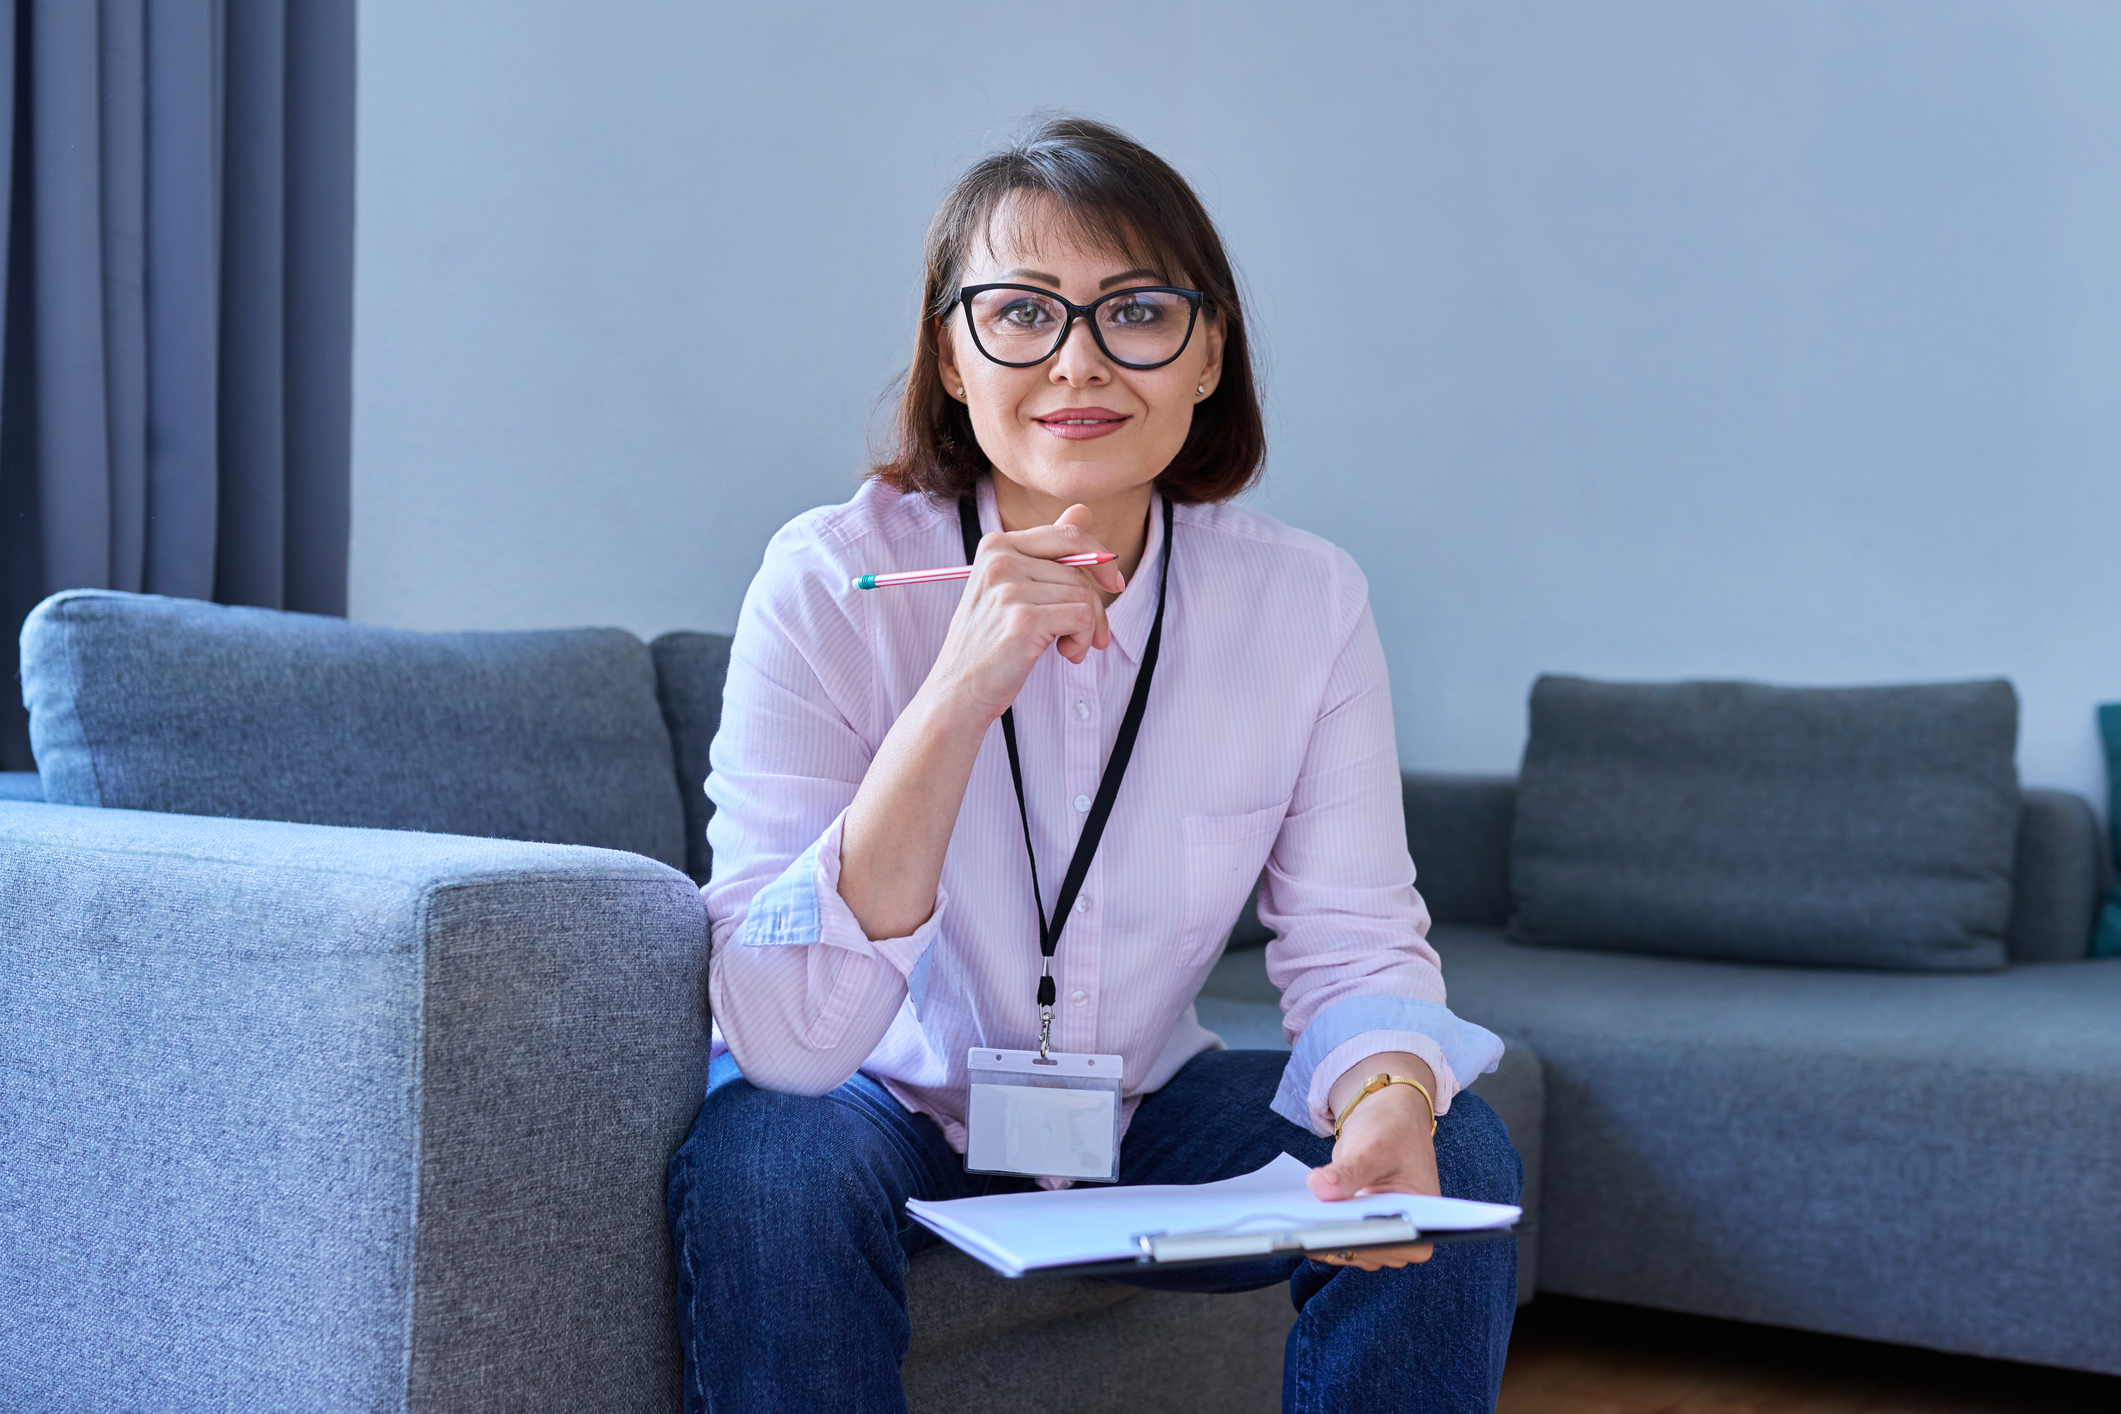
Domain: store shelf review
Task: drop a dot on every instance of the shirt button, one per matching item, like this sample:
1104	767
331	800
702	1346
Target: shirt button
1082	903
1078	996
1082	711
1082	805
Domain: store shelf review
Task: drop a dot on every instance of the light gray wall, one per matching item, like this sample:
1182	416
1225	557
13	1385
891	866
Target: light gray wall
1775	340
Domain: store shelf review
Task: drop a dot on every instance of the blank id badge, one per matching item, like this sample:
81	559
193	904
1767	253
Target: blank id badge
1056	1117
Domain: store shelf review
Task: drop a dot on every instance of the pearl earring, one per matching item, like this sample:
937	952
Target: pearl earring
961	392
1200	390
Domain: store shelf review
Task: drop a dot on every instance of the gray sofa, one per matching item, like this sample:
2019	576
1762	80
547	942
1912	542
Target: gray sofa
1931	1158
301	1114
355	984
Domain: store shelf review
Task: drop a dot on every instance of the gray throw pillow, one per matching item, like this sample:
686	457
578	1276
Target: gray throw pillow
1861	827
146	703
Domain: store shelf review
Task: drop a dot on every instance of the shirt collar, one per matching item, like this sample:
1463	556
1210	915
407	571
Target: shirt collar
1134	611
1131	615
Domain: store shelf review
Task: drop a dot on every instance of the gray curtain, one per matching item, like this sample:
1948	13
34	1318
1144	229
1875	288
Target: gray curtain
176	386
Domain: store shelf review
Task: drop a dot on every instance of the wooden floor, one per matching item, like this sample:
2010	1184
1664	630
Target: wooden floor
1585	1357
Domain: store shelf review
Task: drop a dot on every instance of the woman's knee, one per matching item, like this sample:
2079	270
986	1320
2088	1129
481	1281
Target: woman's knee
1474	1155
754	1151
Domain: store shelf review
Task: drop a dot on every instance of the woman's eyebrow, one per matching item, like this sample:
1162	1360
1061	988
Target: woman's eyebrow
1110	280
1105	284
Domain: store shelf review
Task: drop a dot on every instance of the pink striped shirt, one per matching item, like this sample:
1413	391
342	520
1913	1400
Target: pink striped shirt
1268	741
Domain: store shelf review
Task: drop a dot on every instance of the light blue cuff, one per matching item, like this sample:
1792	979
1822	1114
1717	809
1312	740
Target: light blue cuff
917	980
1468	1049
784	913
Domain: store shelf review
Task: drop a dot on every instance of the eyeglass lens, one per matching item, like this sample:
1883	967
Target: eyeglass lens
1140	327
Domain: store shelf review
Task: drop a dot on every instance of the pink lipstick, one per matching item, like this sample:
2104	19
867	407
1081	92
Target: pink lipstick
1081	424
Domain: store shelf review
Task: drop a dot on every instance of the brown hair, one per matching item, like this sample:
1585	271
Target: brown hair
1120	196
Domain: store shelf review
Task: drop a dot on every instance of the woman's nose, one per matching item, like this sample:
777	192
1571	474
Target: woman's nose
1080	360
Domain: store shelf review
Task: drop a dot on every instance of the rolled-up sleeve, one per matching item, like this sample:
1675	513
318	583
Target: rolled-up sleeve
1351	951
800	993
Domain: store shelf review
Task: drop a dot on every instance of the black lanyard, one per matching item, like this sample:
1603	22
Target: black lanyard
1107	785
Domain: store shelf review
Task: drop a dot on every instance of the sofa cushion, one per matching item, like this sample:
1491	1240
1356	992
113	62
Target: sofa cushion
2107	943
689	671
1871	827
1458	831
147	703
1458	828
955	1302
2058	884
1064	1345
1927	1158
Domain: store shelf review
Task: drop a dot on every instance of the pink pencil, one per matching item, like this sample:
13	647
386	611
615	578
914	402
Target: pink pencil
949	572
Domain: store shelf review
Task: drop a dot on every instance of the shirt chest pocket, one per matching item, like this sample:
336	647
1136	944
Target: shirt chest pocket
1223	857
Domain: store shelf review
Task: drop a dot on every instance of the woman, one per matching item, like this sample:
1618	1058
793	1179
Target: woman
1081	385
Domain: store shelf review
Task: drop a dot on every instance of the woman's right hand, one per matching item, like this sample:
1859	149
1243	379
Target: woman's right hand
1016	604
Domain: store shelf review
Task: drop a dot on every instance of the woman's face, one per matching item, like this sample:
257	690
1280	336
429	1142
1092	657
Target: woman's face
1080	426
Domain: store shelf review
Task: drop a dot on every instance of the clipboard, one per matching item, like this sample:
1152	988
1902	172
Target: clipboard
1269	1215
1216	1247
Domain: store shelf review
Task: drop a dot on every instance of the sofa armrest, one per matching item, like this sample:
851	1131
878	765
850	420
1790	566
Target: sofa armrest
1458	830
306	1117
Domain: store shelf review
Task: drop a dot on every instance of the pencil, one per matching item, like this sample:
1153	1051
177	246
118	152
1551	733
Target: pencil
950	572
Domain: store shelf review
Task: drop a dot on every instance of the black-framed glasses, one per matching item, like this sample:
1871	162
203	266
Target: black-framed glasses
1021	326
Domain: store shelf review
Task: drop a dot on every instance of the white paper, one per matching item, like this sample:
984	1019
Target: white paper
1029	1129
1019	1232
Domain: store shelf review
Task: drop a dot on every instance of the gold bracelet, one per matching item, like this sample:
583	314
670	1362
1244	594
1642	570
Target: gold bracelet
1379	1082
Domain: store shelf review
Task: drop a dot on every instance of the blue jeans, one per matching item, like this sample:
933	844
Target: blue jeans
789	1214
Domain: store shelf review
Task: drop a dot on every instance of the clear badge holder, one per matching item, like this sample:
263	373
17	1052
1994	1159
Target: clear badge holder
1051	1116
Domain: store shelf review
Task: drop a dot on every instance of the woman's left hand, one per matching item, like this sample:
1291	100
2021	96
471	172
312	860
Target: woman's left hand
1385	1147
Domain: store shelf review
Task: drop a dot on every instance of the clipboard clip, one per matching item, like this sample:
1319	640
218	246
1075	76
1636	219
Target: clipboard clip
1211	1244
